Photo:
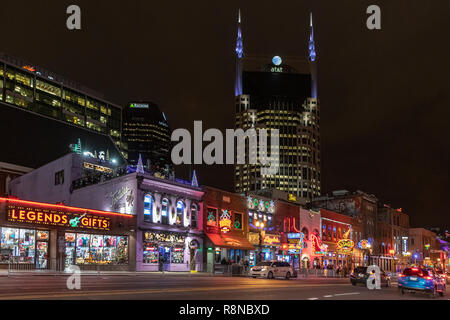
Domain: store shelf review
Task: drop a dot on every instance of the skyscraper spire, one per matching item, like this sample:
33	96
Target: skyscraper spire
312	58
311	46
239	55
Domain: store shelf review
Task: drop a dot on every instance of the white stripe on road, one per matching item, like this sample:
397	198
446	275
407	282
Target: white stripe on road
328	296
313	298
345	294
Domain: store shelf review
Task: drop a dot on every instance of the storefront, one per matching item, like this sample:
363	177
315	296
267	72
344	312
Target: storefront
227	249
170	251
38	235
293	244
269	248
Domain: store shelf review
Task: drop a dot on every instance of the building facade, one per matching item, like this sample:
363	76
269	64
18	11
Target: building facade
168	216
146	132
279	96
30	88
36	235
422	243
226	225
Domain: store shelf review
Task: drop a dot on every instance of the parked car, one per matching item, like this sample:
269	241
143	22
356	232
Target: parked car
272	269
417	279
360	275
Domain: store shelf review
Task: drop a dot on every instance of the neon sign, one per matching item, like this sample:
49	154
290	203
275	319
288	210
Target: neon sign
57	218
319	247
345	245
225	221
271	240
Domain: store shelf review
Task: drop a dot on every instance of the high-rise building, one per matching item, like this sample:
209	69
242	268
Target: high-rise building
28	87
280	95
146	132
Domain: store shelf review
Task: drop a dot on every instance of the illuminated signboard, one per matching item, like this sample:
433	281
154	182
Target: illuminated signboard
292	197
225	221
345	246
261	205
95	167
277	60
364	244
57	218
139	105
272	240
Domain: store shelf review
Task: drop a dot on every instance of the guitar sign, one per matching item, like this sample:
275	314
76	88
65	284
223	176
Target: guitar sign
75	221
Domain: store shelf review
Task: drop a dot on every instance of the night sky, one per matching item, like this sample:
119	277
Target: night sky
384	94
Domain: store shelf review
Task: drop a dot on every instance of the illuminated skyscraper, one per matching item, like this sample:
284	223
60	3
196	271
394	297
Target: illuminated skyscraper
146	133
281	95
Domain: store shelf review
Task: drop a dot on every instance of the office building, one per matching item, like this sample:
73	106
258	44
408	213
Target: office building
146	132
34	89
281	95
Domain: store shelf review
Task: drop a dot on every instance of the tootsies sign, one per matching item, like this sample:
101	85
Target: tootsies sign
57	218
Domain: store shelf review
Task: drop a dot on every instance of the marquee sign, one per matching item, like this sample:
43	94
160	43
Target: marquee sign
272	240
345	246
57	218
225	221
364	244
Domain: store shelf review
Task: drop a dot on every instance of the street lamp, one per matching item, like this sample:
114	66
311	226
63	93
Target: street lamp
260	227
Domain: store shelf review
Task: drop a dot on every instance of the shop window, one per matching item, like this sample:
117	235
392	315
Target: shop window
334	233
85	249
324	231
238	221
148	208
164	211
18	245
211	218
180	212
150	253
194	215
177	255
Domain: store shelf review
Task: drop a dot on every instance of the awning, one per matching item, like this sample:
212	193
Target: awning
230	241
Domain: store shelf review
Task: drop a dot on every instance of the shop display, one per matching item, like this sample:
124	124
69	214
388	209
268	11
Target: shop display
24	246
177	255
96	249
151	254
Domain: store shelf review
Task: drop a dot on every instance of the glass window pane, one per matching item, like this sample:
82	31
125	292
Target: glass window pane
27	245
10	244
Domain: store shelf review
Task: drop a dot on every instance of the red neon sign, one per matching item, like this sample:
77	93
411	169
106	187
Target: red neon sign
63	207
57	218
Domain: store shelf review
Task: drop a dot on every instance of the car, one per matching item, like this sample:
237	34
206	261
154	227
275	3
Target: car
416	279
272	269
360	275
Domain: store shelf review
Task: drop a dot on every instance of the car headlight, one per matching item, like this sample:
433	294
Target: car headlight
264	269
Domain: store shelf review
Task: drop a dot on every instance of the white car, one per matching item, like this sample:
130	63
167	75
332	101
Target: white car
272	269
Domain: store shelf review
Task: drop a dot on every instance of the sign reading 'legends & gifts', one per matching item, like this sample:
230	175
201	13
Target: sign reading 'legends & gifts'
57	218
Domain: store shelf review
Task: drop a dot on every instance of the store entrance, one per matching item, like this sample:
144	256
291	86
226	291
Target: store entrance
164	256
41	255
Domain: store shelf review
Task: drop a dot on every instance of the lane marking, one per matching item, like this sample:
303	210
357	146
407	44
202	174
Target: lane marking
328	296
145	291
313	298
346	294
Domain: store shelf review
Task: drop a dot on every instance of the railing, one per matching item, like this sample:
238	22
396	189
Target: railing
52	266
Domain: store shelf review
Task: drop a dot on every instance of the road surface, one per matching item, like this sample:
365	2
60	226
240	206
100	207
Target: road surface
194	287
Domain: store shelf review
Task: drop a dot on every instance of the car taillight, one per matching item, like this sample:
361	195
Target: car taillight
428	278
401	275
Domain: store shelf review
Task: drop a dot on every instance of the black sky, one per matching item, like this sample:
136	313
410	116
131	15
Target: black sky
384	94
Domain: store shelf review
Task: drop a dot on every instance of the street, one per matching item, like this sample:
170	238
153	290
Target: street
193	287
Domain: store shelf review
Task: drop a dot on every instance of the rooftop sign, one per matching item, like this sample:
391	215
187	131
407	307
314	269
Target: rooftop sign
135	105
